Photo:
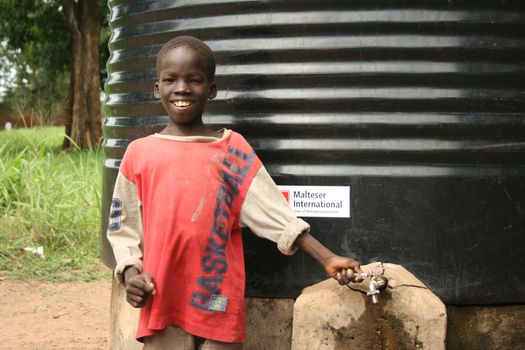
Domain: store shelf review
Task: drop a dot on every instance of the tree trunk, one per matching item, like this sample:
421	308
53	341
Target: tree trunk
82	106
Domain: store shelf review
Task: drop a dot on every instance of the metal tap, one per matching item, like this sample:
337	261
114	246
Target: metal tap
377	282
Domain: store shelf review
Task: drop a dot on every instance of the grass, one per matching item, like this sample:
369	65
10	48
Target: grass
49	198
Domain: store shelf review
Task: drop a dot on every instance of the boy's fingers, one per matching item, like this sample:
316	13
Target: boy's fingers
346	276
149	283
135	304
350	275
356	270
141	285
135	301
342	277
355	266
148	278
338	278
135	298
132	290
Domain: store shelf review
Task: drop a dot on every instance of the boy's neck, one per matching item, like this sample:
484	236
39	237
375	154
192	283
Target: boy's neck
199	129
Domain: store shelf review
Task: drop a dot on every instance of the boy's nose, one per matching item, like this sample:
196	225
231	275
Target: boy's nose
181	87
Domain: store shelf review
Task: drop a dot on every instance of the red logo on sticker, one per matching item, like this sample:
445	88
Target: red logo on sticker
286	195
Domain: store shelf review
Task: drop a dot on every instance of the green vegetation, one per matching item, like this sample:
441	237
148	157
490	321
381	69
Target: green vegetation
52	59
49	198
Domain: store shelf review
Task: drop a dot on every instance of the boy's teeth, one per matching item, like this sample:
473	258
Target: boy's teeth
182	103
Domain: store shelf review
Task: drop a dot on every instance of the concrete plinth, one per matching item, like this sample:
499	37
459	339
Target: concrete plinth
408	316
123	321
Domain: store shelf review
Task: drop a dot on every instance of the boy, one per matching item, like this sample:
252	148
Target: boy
180	199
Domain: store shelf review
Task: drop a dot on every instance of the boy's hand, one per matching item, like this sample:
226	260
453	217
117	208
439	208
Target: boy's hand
139	286
343	269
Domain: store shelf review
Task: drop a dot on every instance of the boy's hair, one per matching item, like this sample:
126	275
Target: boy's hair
196	45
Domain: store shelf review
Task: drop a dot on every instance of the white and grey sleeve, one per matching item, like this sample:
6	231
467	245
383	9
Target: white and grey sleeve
267	213
125	227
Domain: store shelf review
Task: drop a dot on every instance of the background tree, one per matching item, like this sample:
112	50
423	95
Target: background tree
32	94
56	38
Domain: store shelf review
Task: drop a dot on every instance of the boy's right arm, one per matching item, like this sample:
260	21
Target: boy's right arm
125	228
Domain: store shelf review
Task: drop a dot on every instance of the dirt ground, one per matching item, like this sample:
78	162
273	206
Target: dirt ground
43	315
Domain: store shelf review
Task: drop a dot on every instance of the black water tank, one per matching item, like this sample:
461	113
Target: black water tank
417	106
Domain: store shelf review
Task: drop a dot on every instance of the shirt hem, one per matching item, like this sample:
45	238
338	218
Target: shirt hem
193	329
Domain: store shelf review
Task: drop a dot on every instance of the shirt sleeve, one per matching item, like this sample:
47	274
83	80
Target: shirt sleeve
125	227
267	213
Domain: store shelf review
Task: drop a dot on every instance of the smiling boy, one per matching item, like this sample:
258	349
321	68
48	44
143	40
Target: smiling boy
181	198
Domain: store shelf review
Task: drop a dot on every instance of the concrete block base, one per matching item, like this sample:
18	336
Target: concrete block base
408	316
123	321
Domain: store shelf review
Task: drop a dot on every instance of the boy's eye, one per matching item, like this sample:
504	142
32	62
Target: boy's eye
168	80
196	80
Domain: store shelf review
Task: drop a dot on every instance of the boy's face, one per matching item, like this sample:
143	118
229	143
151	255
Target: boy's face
183	86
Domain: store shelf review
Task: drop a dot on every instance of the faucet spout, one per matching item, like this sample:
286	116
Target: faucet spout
377	282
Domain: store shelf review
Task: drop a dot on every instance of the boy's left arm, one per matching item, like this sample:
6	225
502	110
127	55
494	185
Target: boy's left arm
269	215
341	268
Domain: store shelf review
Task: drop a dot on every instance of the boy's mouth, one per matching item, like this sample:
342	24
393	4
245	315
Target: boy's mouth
181	103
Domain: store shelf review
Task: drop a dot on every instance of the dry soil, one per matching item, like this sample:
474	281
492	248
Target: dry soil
43	315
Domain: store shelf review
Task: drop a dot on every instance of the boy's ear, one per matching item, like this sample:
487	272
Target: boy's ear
212	91
156	91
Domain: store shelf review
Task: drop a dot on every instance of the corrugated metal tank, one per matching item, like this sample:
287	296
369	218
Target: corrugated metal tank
418	106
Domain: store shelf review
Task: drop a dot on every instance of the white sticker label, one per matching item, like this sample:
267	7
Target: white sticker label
318	201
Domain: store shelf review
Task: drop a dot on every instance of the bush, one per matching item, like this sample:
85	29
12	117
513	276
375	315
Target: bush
49	198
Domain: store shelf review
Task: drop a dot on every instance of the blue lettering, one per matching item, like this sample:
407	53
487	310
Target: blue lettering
211	284
225	196
115	215
200	300
215	248
214	261
219	223
234	169
232	182
241	154
218	265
